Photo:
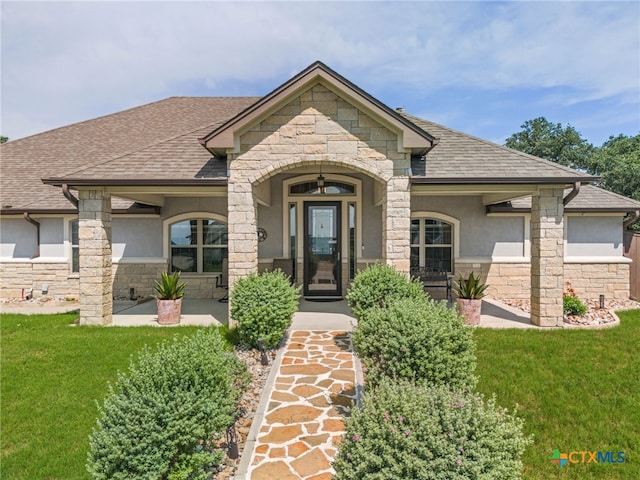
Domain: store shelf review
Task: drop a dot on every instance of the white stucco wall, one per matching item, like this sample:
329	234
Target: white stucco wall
17	238
592	236
482	237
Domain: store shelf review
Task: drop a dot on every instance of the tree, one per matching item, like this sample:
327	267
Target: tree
552	141
617	162
4	139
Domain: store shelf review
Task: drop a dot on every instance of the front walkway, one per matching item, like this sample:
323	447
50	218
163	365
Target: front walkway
314	383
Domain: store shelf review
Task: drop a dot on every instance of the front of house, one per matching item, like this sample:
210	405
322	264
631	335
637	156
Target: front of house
317	177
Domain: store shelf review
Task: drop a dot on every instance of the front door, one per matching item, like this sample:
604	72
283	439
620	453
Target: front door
322	244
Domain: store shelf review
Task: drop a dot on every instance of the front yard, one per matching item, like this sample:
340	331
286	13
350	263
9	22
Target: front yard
52	374
577	390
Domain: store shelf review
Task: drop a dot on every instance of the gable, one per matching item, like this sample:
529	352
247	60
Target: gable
320	123
409	136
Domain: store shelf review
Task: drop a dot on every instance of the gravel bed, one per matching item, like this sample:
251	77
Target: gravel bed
594	316
248	406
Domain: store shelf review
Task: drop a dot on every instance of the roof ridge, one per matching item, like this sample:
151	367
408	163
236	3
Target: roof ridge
503	147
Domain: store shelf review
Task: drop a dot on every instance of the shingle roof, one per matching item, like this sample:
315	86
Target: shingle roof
92	144
590	198
459	156
159	141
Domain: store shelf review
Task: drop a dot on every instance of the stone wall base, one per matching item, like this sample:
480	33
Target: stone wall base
590	280
14	277
506	280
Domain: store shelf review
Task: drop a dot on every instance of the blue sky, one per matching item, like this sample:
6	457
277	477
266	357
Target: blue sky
480	67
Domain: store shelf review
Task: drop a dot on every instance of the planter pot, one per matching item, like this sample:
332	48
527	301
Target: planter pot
469	309
169	311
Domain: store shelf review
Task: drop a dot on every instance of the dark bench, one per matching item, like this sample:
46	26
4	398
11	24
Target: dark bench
432	278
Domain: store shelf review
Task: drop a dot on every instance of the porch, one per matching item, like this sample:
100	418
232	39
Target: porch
310	316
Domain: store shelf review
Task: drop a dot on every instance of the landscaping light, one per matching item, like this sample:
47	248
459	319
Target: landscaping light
602	301
232	442
264	360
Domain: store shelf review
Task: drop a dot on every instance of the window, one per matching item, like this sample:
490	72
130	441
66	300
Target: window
431	244
198	245
75	247
330	187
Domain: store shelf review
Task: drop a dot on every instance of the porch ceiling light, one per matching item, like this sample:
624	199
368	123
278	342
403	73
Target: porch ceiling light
321	187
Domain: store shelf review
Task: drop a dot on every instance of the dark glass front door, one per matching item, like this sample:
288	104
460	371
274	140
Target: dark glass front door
322	242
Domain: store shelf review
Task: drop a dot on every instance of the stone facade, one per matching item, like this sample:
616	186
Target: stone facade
16	276
547	253
589	280
94	237
316	129
593	279
139	276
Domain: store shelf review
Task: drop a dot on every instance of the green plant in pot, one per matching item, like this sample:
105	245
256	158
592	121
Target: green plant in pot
169	293
469	292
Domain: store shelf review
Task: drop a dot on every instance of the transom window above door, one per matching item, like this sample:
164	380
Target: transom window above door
325	187
197	245
431	244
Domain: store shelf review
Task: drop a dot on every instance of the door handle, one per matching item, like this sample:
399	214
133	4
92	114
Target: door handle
338	256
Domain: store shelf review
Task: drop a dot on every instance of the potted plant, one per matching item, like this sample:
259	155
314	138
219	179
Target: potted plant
169	292
469	292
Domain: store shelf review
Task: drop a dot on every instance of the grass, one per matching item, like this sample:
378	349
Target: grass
52	375
578	390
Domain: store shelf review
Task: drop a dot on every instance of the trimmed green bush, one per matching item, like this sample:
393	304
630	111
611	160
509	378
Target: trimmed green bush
161	418
379	285
421	341
573	305
429	433
263	306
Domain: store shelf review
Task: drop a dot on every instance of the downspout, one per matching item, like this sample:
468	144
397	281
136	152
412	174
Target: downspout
37	225
572	194
631	220
68	195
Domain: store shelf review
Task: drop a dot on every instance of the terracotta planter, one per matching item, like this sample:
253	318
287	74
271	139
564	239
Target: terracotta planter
470	310
169	311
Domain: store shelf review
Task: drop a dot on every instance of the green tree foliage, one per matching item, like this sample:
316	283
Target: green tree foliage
552	141
4	139
617	162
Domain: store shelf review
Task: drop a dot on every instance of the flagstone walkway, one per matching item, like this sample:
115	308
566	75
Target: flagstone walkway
315	388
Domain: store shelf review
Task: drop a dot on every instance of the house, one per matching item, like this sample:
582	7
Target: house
330	178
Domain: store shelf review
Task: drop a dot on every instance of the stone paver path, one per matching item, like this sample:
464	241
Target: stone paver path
314	390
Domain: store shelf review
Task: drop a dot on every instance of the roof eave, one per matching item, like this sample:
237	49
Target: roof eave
501	180
133	182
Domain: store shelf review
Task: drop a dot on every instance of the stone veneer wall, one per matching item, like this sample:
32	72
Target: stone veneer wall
589	280
15	276
317	128
593	279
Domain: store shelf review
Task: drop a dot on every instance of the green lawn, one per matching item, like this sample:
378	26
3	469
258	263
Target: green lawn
52	374
578	390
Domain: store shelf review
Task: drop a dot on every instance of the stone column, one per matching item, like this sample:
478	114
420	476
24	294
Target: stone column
396	224
243	240
94	237
547	257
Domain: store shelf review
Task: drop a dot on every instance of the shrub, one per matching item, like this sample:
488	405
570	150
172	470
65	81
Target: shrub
263	306
573	306
417	340
161	417
379	285
429	433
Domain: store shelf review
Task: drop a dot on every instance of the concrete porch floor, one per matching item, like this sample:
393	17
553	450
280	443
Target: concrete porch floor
311	315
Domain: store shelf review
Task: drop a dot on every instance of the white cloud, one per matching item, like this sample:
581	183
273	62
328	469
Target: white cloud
63	62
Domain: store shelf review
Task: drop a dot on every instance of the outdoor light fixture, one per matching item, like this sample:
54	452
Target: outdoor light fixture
232	442
321	187
263	355
602	301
